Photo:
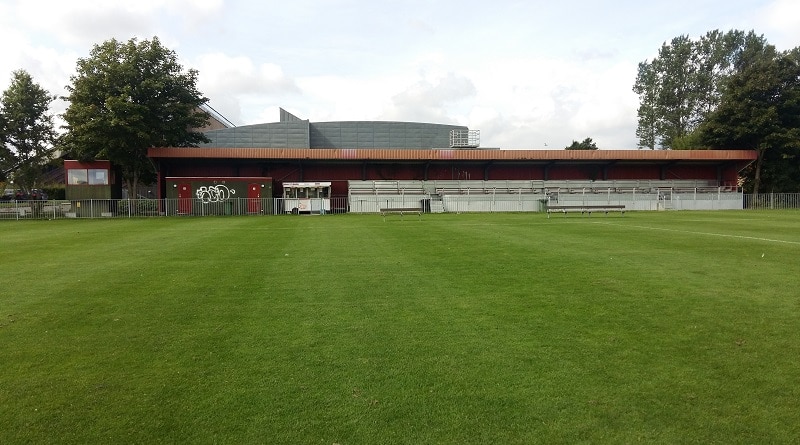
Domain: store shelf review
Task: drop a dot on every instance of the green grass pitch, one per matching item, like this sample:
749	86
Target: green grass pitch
674	327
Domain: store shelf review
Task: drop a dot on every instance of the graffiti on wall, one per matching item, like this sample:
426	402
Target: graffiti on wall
214	193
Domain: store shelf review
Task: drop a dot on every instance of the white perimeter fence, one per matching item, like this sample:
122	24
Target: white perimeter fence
367	204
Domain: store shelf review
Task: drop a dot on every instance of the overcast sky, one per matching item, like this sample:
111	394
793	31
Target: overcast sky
528	74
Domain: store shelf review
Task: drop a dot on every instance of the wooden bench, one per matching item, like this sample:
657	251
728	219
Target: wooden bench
588	209
401	211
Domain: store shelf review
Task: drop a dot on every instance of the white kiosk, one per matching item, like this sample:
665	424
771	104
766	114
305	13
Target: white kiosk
307	197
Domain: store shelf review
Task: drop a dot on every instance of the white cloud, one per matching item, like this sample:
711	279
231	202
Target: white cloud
527	102
782	20
327	98
237	87
430	99
49	68
240	75
90	21
517	71
607	104
515	102
47	37
82	22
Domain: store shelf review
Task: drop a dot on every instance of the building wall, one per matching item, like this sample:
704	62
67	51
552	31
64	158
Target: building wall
340	171
578	172
354	135
634	171
692	172
290	134
516	171
202	169
237	186
218	195
371	134
112	189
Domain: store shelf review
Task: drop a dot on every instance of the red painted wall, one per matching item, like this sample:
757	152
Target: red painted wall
529	172
691	172
339	172
70	164
634	172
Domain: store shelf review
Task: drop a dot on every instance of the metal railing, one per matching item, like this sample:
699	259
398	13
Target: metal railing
144	208
772	201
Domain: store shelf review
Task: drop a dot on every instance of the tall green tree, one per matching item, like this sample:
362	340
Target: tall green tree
675	99
647	89
28	133
679	87
5	152
127	97
760	110
586	144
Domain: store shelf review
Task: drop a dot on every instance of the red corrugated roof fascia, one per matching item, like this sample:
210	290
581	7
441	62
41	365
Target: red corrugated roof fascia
450	155
73	164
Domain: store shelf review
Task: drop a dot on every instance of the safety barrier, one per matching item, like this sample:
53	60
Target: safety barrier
456	203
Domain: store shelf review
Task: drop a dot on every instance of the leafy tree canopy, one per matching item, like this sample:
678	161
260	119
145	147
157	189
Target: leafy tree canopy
679	87
586	144
27	134
726	91
128	97
760	110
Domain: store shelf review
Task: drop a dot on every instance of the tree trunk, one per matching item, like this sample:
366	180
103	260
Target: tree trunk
135	185
132	182
757	175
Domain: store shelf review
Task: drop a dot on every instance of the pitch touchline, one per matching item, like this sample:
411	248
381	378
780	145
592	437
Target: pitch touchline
753	238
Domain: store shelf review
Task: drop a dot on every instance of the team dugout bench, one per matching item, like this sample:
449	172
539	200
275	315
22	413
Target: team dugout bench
400	211
587	209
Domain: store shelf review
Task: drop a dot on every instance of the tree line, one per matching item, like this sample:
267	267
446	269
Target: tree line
724	90
124	98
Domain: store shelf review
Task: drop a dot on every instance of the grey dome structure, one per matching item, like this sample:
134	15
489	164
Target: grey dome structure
293	132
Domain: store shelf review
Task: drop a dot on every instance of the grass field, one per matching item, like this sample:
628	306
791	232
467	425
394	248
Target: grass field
676	327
